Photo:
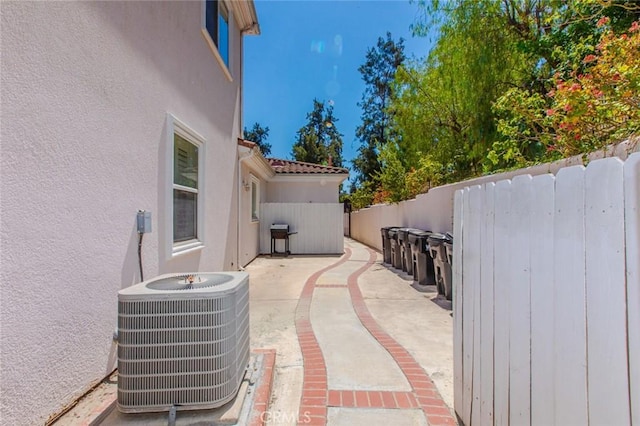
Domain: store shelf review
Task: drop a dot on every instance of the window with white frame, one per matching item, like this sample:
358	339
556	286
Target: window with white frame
255	199
216	30
187	179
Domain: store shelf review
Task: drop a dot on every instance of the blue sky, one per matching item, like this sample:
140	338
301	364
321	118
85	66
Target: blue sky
312	49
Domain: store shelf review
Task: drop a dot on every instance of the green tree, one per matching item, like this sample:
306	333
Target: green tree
378	72
594	106
319	141
508	83
259	135
442	107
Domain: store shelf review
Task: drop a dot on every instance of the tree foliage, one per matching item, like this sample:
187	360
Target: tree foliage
443	106
259	135
378	72
399	182
319	141
581	109
509	83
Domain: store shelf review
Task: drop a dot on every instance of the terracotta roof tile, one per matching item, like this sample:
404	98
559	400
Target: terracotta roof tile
298	167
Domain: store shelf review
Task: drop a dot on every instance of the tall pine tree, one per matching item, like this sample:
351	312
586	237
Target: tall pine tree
259	135
319	139
378	72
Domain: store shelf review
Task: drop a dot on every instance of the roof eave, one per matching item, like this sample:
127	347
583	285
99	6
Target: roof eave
247	17
255	160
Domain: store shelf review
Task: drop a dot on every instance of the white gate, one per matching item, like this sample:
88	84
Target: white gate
547	298
318	227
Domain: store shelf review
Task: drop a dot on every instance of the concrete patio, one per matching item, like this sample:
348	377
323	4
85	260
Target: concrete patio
355	343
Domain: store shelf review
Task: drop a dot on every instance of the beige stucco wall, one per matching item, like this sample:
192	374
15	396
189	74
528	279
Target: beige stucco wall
317	190
86	88
249	230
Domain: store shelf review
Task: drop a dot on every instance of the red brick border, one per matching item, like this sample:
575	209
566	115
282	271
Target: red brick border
313	402
101	412
316	397
371	399
263	391
427	395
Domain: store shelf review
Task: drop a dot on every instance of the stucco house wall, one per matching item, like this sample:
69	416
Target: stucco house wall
254	170
86	89
310	190
287	188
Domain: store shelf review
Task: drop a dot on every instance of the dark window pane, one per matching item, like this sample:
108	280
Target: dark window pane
185	215
185	163
211	19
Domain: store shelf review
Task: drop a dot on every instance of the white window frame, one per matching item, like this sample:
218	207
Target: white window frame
254	181
212	43
175	126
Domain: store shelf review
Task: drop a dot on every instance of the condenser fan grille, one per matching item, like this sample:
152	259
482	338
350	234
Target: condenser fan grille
190	352
189	282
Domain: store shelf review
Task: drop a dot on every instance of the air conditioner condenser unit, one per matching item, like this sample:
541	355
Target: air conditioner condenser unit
183	340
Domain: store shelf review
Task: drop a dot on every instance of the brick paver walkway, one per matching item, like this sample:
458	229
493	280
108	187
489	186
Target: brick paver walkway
316	395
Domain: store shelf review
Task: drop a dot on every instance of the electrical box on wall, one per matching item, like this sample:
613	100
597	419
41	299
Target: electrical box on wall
144	222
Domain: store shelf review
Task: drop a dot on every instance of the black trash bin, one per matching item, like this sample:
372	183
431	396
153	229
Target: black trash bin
448	249
406	256
448	246
422	263
386	244
441	265
402	239
396	260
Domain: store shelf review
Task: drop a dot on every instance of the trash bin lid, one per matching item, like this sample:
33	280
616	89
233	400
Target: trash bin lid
385	230
393	232
403	233
416	235
436	239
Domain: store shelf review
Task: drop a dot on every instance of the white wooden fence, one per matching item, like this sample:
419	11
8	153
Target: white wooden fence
318	227
433	210
547	298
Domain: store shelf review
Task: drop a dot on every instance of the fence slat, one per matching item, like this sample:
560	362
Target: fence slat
469	268
476	210
569	313
632	240
519	302
542	302
486	307
457	301
501	302
608	381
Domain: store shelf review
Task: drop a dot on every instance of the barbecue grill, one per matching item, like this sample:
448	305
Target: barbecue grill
280	231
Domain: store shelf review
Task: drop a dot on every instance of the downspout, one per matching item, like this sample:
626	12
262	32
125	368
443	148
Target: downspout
241	158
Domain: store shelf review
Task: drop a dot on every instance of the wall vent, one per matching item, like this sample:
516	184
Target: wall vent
183	340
